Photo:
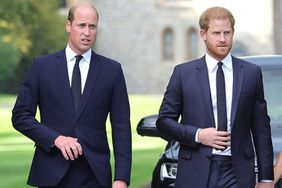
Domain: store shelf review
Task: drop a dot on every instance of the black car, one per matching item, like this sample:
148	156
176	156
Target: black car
165	171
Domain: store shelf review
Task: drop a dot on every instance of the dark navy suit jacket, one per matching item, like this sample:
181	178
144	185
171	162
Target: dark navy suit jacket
188	98
47	87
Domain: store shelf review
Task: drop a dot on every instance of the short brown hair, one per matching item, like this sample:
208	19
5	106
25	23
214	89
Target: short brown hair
73	9
215	13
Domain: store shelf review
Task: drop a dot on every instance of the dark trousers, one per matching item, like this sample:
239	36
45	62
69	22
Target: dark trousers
221	173
79	175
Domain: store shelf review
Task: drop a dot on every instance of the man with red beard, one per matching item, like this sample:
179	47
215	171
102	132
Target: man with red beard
215	108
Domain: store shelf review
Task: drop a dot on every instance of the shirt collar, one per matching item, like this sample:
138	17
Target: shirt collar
212	63
70	54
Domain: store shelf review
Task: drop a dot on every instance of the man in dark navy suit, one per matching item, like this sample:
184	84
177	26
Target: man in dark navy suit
75	90
219	100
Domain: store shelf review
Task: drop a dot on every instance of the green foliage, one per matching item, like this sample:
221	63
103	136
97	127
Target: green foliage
9	58
28	23
15	17
28	28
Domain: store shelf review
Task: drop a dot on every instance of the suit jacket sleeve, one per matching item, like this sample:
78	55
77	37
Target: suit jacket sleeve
24	111
170	111
121	129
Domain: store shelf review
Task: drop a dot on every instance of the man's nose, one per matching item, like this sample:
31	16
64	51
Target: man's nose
86	31
222	37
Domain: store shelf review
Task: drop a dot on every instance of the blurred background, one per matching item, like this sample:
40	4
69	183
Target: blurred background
148	37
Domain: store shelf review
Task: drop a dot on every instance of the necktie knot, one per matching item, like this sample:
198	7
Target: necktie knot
219	64
78	58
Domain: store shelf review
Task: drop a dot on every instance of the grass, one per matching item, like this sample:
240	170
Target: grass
14	168
16	151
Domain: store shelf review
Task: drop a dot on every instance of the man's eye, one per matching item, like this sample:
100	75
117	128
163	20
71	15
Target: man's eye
92	26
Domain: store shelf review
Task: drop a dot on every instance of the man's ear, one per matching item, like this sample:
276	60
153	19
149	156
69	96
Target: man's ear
68	26
203	34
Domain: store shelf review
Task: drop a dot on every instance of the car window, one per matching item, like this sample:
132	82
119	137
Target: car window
272	80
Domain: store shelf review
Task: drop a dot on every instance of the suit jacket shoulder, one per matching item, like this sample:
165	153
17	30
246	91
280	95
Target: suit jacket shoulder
52	56
188	67
104	58
192	63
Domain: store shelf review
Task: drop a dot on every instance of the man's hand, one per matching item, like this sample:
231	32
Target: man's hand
213	138
119	184
69	147
265	185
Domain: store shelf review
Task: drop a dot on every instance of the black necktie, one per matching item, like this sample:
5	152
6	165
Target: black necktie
76	83
221	99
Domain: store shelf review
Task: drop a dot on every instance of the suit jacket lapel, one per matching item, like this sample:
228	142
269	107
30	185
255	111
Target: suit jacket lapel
203	81
62	69
90	81
238	75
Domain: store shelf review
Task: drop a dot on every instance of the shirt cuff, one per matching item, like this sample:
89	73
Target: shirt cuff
266	181
197	136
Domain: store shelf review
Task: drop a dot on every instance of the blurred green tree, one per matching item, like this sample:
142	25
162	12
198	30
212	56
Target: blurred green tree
7	69
28	28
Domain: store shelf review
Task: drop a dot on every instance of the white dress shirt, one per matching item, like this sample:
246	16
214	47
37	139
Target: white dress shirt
228	77
83	64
